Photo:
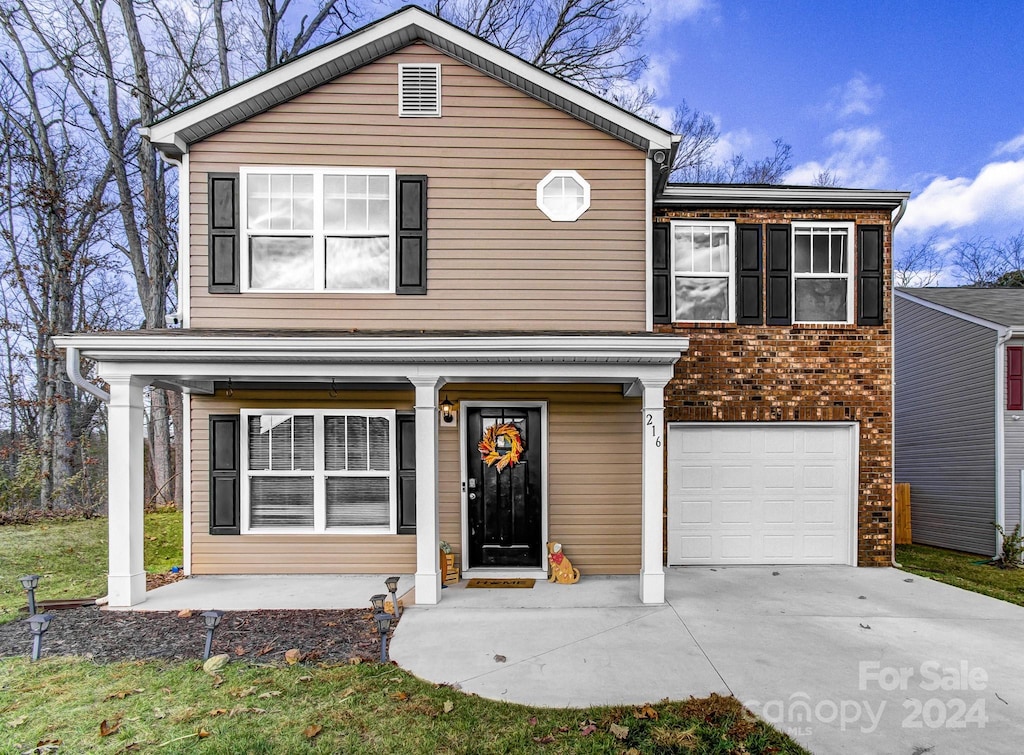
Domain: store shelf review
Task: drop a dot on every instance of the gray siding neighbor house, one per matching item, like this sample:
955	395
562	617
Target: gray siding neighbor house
960	412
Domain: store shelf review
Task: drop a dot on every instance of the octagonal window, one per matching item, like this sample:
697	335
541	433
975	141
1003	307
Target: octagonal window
563	195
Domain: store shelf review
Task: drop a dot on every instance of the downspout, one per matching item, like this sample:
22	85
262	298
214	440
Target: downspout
892	398
1001	434
74	369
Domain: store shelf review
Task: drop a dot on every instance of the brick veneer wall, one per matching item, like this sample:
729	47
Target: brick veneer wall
765	373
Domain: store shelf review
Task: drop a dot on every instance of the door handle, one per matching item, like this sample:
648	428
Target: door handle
472	496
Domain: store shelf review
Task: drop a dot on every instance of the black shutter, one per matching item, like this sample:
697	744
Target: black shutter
780	309
224	474
412	235
406	453
660	260
224	263
748	274
870	288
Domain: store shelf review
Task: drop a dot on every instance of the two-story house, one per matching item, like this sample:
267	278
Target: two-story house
430	292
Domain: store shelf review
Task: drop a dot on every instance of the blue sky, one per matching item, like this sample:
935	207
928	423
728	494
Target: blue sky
912	95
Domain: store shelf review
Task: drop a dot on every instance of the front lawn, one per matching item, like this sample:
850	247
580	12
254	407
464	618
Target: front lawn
960	570
71	557
367	708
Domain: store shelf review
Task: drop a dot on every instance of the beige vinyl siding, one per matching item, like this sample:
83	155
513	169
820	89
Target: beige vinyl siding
495	261
945	426
594	484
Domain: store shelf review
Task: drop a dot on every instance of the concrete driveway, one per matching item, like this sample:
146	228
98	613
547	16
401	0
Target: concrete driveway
844	659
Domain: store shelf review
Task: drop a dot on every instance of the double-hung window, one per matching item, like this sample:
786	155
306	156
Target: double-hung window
822	283
315	470
318	229
703	265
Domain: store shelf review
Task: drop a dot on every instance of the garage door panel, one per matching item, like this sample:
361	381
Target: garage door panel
781	504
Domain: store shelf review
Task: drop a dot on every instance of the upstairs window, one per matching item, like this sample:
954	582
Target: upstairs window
822	284
419	90
563	195
1015	378
702	272
318	229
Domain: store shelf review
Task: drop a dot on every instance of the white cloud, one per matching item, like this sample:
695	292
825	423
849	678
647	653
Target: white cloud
1012	147
995	195
672	11
857	159
858	96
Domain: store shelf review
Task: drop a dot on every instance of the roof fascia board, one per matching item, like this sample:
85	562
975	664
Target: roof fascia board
424	25
1001	329
740	195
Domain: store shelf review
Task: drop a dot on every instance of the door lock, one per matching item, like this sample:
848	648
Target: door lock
472	496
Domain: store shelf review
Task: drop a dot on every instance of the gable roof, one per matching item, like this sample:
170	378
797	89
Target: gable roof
1000	306
175	133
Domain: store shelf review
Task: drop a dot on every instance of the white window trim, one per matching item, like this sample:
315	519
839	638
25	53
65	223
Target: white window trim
849	274
567	217
687	222
402	112
317	232
319	474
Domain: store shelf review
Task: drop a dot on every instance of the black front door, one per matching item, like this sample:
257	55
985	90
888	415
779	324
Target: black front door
504	508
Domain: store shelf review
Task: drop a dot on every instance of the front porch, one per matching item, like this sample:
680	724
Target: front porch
349	368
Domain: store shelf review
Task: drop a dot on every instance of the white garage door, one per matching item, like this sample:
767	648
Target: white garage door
761	494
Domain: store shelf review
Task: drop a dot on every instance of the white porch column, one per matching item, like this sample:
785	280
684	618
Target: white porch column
126	576
428	567
652	562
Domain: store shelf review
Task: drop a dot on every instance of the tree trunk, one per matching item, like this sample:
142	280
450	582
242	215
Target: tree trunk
176	402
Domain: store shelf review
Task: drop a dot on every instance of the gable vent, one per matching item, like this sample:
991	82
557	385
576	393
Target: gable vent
419	90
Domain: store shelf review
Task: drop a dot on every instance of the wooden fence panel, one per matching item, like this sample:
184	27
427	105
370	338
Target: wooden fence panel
903	531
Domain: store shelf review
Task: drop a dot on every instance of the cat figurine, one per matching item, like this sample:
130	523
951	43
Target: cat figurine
561	568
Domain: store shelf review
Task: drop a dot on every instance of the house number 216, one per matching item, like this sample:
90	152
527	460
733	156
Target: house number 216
654	430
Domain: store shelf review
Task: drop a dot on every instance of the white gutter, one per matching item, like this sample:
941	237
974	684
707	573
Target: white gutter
1004	336
900	213
73	363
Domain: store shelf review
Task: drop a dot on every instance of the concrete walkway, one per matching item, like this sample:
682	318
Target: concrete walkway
846	660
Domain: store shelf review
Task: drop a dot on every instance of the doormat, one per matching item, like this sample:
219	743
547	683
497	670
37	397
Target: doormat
480	582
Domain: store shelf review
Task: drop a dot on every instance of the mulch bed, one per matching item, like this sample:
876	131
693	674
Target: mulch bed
330	637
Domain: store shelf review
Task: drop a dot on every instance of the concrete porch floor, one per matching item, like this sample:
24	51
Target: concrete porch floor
270	591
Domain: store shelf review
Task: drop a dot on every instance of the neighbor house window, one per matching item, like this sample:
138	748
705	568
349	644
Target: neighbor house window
318	471
563	195
822	284
702	271
318	229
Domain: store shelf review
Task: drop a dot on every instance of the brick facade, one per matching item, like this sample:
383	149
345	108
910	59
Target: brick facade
763	373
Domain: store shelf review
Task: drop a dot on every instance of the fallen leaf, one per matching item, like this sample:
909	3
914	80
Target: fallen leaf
312	730
647	712
308	679
217	712
533	721
499	659
185	614
15	722
449	706
632	751
202	733
217	680
355	661
48	745
107	729
544	740
269	693
400	696
133	747
123	694
619	732
157	713
242	709
216	663
865	626
587	728
292	656
239	650
244	692
346	693
264	650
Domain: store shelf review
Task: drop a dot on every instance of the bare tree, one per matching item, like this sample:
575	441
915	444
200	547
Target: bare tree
918	264
976	262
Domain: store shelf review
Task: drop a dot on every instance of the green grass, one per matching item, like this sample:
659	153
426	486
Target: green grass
362	709
960	570
71	557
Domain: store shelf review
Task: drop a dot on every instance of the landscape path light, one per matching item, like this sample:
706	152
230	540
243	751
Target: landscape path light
38	623
383	622
211	619
392	583
377	601
30	582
